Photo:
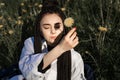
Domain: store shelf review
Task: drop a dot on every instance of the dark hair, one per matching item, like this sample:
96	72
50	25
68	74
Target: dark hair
64	61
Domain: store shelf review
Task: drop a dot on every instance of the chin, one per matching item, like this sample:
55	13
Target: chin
50	43
53	44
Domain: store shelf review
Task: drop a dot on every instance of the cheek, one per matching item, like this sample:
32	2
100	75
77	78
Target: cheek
45	33
59	31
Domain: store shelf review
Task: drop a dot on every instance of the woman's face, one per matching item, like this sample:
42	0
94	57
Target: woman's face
51	26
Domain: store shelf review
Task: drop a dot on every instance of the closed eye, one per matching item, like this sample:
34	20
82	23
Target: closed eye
46	26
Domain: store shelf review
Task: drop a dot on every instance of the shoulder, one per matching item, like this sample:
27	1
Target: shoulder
75	54
17	77
29	41
76	57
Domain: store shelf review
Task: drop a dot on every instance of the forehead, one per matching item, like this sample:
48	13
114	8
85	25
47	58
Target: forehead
50	18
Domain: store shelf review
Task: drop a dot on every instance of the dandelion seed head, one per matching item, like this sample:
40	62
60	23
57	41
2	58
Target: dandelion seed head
68	22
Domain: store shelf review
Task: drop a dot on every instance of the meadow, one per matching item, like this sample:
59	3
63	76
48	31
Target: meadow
98	27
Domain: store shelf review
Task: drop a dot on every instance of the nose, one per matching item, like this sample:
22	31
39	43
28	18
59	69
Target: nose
53	31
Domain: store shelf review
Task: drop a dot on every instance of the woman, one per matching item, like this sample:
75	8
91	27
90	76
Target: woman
49	54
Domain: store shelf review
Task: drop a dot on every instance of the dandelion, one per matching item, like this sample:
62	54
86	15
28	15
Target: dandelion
86	52
1	17
10	31
68	22
19	17
22	4
36	4
19	22
103	29
63	9
23	10
1	26
40	5
2	4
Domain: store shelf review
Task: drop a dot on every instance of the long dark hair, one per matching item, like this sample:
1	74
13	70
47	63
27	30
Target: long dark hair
64	61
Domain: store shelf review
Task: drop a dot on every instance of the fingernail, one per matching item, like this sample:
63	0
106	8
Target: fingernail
75	28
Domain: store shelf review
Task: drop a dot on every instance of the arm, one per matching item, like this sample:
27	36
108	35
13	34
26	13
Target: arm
52	55
67	43
29	61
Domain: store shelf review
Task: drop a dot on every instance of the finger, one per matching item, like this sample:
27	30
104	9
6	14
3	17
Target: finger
75	44
73	36
76	39
71	32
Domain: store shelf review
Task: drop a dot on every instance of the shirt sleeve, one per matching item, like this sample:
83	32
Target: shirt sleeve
29	62
78	68
40	67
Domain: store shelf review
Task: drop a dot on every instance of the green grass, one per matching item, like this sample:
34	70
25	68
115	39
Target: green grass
99	48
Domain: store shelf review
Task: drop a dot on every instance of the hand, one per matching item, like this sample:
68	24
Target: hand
69	41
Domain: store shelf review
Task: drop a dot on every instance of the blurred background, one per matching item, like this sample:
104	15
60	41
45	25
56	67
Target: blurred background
98	27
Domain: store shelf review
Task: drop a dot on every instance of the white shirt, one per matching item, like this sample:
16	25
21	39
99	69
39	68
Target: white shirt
29	62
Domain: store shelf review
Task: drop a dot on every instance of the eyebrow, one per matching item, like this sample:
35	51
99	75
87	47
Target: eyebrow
46	24
49	24
57	23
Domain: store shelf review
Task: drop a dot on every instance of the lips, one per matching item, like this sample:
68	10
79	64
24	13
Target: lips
53	37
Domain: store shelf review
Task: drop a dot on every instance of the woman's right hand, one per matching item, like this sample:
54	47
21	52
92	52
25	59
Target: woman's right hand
69	41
